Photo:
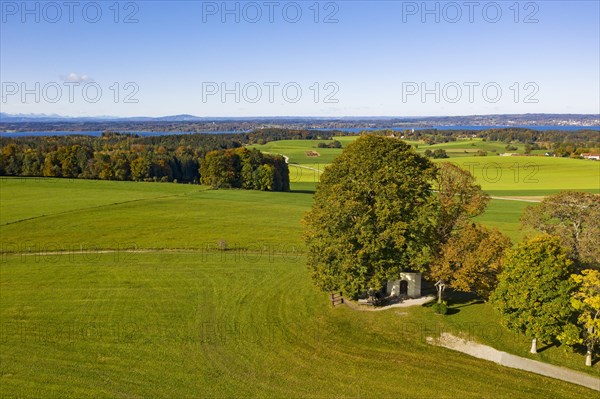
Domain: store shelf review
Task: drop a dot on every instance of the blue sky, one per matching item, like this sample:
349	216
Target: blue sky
352	58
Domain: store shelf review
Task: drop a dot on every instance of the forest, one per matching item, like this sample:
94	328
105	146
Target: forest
168	158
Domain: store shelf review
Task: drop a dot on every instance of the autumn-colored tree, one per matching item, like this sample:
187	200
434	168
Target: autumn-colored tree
460	198
140	168
105	169
52	165
534	289
221	169
471	260
586	301
572	216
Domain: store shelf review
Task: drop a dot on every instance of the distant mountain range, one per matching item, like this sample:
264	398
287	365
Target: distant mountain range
12	118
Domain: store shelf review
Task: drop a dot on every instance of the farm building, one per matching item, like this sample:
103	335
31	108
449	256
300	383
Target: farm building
595	157
407	285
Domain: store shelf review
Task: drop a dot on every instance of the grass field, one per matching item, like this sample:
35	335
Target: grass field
468	147
121	293
532	176
297	150
499	176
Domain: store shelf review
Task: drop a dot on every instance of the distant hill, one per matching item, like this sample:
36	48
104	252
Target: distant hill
186	122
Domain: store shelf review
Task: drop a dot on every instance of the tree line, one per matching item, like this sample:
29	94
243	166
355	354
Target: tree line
558	142
165	158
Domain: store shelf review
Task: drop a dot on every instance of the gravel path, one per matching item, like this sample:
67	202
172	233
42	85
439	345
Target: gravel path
516	362
404	304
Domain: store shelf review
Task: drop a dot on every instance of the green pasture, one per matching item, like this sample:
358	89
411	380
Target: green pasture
469	147
497	175
532	176
123	293
297	150
22	198
177	216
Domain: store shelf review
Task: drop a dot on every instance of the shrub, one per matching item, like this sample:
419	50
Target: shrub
440	153
440	308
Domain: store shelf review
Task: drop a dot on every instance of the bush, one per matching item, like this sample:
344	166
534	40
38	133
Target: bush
333	144
440	308
440	153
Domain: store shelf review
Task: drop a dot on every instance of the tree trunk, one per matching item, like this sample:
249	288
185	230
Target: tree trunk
533	346
588	358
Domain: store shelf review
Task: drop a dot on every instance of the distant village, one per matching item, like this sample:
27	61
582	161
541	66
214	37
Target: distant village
589	155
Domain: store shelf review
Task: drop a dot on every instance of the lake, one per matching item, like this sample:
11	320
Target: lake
349	130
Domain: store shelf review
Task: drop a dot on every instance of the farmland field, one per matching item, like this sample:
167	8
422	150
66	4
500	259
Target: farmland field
107	285
123	292
521	176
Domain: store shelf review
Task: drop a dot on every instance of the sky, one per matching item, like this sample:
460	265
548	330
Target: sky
302	58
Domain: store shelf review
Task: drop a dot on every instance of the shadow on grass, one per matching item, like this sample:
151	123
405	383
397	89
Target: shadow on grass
474	302
302	191
461	299
451	310
580	349
428	304
545	347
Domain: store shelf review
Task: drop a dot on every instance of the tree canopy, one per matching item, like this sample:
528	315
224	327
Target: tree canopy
243	168
459	199
471	260
534	288
572	216
373	216
586	301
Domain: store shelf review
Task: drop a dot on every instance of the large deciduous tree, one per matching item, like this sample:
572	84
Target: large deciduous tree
572	216
373	216
459	197
534	288
471	260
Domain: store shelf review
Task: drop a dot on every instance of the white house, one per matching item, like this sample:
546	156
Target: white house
595	157
408	285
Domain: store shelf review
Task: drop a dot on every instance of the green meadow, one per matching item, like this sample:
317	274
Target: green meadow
532	176
297	150
123	289
506	176
469	147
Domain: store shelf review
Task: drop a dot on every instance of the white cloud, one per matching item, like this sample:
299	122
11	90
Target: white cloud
73	77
